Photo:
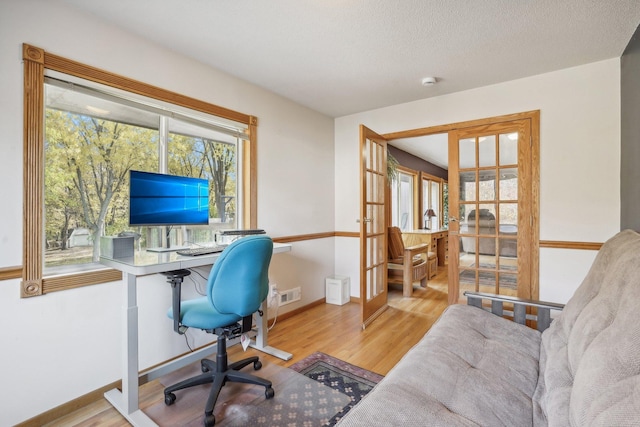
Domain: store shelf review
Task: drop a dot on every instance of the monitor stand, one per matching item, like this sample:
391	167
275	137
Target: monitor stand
168	247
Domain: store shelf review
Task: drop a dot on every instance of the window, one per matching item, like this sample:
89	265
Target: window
93	138
402	200
84	130
433	197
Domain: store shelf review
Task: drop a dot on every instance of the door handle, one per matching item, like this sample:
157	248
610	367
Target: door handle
453	219
364	220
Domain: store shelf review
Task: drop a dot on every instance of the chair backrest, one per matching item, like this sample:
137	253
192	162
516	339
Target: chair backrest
239	279
395	245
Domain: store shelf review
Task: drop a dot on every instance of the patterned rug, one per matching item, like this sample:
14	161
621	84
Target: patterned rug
317	391
351	380
299	402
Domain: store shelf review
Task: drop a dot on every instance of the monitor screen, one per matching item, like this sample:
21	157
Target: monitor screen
159	199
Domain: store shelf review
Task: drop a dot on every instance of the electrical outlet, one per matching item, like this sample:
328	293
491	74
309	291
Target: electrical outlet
273	290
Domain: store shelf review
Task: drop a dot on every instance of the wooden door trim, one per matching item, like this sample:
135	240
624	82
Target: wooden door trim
431	130
534	118
454	240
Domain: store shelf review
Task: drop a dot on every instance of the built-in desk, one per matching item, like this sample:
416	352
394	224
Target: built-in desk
141	264
437	239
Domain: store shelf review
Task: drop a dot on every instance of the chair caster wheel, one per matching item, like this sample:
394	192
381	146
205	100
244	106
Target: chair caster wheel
209	420
204	368
269	392
169	399
257	365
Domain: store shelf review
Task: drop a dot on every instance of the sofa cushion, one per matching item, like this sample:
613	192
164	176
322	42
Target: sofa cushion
590	356
471	368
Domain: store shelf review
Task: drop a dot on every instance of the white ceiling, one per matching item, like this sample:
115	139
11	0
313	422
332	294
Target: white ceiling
433	148
340	57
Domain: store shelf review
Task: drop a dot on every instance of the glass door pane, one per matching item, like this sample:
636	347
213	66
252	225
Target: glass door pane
487	204
373	265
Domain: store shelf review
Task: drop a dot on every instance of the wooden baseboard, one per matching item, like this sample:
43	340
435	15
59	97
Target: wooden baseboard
298	310
84	400
69	407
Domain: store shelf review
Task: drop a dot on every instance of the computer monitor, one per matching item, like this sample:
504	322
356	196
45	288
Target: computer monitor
164	200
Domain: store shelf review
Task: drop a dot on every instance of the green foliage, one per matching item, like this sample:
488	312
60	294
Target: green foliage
445	205
392	168
86	169
215	161
87	163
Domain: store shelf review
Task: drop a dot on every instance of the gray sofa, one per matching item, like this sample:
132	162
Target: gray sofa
477	369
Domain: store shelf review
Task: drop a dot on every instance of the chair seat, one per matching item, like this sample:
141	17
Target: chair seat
396	264
199	313
400	268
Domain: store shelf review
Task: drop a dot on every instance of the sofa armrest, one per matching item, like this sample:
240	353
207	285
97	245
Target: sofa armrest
519	313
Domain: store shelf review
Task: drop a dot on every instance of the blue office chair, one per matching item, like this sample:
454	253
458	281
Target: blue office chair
238	284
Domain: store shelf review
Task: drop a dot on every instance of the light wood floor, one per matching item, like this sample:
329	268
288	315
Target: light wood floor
332	329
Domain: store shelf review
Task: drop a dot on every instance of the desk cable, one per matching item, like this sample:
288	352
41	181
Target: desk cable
273	299
201	291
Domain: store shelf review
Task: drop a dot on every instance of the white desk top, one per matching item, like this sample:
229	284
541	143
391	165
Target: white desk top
143	262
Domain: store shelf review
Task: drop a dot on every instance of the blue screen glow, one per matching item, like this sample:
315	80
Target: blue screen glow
158	199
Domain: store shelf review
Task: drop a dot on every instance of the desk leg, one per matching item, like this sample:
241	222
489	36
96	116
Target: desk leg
260	342
126	402
130	343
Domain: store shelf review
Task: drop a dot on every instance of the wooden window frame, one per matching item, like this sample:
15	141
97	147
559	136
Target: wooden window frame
415	197
432	178
36	61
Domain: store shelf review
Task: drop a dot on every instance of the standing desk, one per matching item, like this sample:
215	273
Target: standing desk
141	264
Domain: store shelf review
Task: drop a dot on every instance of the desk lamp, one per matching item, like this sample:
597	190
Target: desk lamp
428	214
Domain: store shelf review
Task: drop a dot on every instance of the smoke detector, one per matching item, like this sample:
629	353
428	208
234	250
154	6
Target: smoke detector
429	81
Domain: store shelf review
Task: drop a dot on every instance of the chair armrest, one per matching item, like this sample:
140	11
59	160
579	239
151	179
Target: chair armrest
519	313
421	248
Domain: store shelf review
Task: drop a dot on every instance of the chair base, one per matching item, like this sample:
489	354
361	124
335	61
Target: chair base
219	373
408	275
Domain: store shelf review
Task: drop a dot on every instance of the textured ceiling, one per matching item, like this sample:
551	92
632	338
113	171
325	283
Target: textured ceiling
340	57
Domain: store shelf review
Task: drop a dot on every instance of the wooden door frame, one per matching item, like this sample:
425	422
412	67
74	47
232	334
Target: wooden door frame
534	117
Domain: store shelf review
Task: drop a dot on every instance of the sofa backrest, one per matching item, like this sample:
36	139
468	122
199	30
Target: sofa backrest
590	356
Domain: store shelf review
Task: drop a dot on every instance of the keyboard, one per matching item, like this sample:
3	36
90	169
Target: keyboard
207	250
248	232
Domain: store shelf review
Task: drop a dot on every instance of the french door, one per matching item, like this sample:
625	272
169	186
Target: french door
493	206
373	232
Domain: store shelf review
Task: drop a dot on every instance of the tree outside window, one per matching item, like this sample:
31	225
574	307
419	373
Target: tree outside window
91	144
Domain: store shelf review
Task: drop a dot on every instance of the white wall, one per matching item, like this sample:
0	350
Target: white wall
65	344
579	165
